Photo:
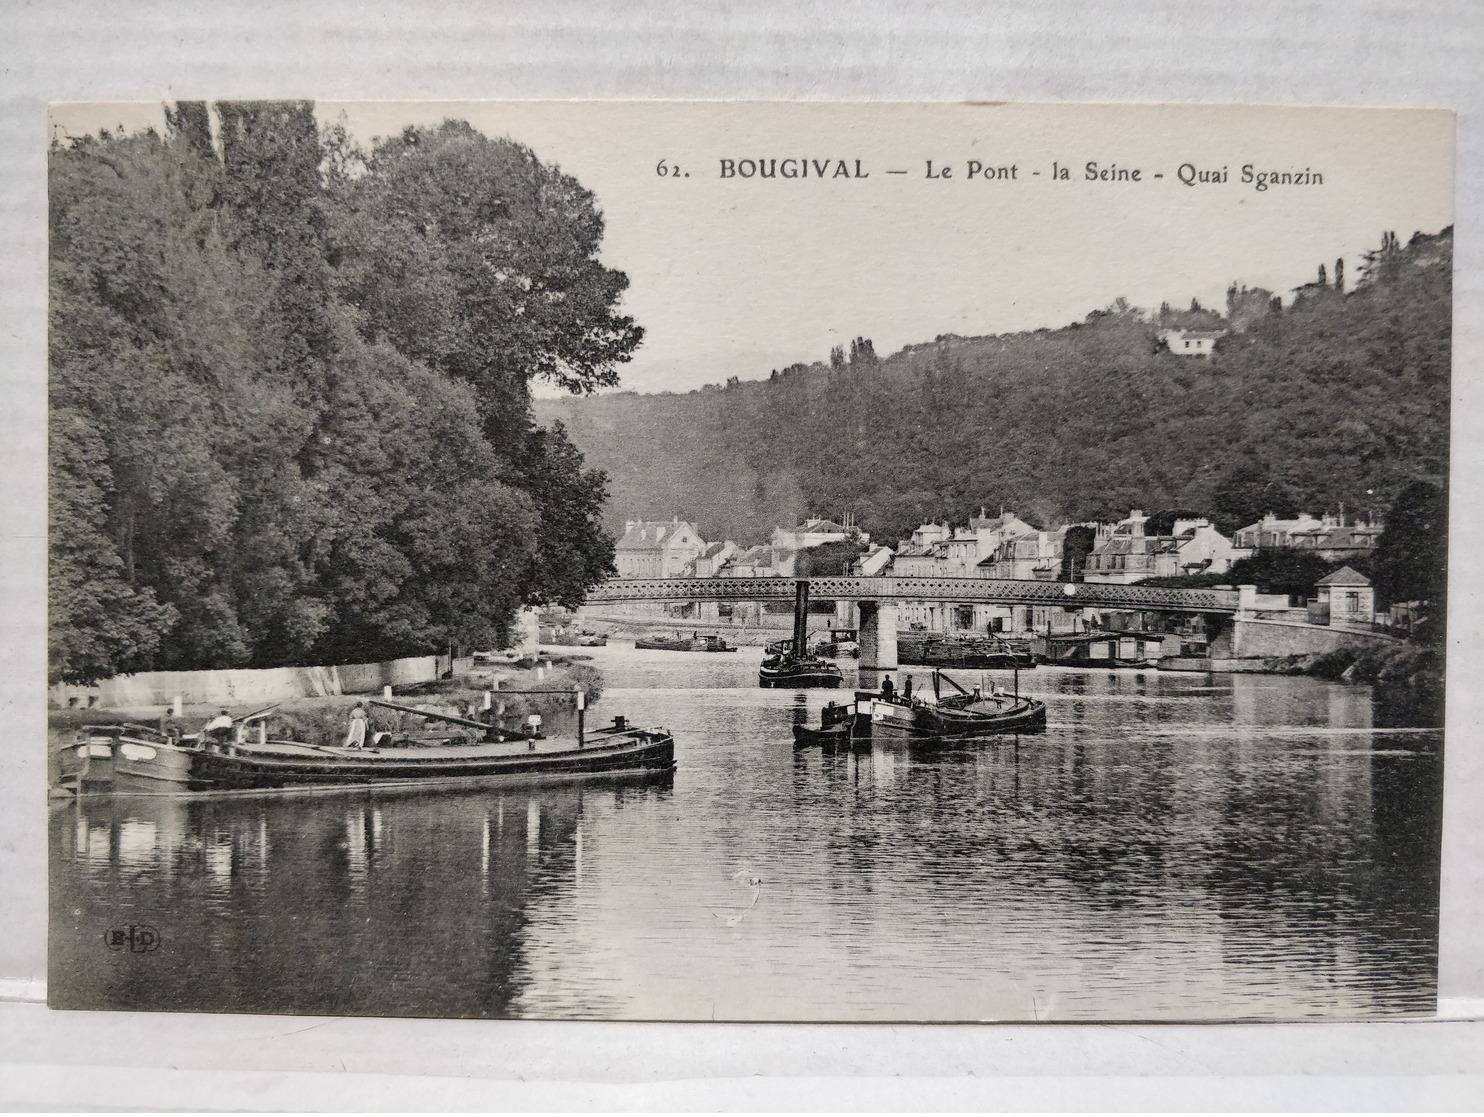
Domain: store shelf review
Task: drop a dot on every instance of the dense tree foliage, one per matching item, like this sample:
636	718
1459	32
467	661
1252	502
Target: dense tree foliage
1076	545
1284	570
1341	396
290	417
829	559
1411	559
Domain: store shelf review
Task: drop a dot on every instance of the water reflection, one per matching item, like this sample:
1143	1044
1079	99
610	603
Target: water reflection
1171	847
361	903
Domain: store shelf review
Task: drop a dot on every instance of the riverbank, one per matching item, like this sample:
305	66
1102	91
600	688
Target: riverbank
1408	664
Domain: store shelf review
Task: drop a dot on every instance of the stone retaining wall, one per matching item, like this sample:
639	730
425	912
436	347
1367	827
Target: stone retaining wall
270	684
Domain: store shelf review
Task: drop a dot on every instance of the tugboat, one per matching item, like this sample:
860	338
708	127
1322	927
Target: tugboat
788	668
888	714
659	642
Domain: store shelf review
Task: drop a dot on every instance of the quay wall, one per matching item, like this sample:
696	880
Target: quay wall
269	684
1254	638
770	627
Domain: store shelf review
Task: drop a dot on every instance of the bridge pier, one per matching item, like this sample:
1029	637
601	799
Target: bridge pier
878	635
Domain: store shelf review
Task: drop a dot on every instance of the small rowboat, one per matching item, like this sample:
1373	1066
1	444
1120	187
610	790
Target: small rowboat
833	732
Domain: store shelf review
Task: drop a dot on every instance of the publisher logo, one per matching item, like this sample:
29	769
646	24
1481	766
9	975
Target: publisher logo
136	938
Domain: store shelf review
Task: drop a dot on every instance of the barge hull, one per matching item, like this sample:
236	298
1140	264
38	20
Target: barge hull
262	771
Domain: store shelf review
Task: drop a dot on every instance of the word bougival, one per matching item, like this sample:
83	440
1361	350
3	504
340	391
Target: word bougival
793	168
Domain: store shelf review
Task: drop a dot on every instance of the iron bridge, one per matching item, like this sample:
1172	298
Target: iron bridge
958	591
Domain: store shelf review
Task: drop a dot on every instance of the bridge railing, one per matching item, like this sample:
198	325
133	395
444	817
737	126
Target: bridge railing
948	590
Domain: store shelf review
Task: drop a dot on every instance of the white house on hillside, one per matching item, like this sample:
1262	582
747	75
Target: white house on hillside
1191	343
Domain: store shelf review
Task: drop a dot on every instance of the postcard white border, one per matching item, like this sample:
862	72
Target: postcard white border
1330	51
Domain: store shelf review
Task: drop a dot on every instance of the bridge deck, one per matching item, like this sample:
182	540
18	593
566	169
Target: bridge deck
963	591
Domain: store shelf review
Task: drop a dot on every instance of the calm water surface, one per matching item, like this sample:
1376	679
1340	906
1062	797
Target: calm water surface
1172	847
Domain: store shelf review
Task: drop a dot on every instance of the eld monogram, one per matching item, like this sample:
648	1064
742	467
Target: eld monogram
135	938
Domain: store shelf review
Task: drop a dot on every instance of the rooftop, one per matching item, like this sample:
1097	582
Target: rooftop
1344	576
651	535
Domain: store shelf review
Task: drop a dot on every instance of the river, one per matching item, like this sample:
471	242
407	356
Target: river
1172	847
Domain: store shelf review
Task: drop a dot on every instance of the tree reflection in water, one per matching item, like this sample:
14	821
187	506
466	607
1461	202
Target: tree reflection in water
340	904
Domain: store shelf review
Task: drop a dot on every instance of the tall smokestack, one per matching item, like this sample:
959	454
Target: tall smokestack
801	617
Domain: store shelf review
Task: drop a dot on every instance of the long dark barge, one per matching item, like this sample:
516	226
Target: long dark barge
139	759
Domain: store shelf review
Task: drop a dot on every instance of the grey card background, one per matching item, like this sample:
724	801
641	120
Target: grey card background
1422	54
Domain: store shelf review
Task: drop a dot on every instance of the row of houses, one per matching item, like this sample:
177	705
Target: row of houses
1005	546
1000	546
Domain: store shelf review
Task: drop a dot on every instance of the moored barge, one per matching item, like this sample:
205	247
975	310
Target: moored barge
659	642
893	715
144	760
964	650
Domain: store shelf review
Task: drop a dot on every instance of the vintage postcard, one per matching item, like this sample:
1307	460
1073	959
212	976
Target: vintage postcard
748	561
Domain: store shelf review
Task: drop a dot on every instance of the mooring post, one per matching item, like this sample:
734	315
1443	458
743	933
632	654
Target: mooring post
386	691
489	699
581	718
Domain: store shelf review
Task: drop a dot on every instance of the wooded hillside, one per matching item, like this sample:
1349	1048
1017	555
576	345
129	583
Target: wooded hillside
1337	395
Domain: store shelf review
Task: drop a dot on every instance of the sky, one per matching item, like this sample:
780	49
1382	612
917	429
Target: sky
734	276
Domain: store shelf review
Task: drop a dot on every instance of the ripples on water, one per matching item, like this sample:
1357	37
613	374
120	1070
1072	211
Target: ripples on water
1172	847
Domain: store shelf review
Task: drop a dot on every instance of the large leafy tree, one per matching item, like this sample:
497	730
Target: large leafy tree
499	253
273	444
473	256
